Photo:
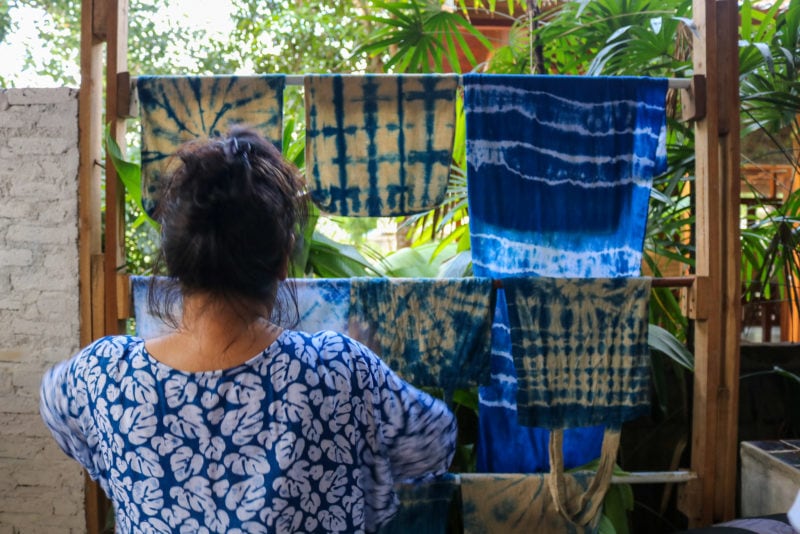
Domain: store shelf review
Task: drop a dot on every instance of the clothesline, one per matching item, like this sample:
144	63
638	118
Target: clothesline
669	281
674	83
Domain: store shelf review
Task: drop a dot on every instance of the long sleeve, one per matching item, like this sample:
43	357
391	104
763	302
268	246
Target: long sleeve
419	431
59	408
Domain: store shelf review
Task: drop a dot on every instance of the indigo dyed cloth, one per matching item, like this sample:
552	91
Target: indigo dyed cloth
432	332
379	145
559	172
322	303
518	504
580	350
426	508
309	435
149	325
176	109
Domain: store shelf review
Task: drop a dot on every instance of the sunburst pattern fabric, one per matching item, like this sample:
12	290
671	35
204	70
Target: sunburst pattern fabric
176	109
379	145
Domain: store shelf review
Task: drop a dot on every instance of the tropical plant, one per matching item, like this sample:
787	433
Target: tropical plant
769	59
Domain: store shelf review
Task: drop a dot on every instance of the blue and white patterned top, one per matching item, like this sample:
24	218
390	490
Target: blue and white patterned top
308	436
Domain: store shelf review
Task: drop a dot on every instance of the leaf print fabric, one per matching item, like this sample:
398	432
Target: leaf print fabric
278	444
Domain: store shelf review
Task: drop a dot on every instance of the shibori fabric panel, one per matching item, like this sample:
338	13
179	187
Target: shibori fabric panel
560	170
519	503
379	145
149	325
503	445
580	350
322	304
176	109
426	507
432	332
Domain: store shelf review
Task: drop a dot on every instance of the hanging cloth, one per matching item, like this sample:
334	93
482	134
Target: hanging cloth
322	304
176	109
519	504
379	145
560	170
148	324
559	174
432	332
580	350
427	507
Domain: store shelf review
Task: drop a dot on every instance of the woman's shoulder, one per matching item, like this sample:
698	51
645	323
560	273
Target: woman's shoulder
116	346
328	339
330	345
105	352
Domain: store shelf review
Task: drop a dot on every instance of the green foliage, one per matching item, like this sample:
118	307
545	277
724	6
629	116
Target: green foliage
419	36
5	20
770	97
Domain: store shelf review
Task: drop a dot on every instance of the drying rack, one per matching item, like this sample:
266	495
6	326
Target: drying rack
711	295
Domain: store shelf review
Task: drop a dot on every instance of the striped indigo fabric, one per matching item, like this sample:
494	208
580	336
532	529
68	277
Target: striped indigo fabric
432	332
560	170
379	145
176	109
580	350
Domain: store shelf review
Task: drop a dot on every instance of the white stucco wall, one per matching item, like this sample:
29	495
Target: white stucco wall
41	490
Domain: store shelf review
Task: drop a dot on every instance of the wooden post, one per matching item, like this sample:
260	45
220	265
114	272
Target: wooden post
90	126
116	65
712	496
101	20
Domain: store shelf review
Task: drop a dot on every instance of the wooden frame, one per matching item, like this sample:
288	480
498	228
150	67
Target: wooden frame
714	298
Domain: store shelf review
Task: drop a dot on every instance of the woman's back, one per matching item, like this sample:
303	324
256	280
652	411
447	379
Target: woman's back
309	435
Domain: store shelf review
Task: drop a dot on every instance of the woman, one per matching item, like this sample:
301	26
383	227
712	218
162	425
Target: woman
231	423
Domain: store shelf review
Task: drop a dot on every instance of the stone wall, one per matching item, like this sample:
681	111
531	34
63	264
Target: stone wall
41	490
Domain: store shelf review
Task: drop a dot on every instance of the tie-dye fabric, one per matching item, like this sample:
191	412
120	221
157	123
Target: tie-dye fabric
560	170
310	435
580	350
379	145
176	109
149	325
559	173
432	332
322	304
426	508
518	504
504	446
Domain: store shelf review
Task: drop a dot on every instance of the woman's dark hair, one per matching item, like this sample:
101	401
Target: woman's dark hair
229	218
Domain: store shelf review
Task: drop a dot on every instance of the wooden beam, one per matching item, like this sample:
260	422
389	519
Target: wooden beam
90	128
727	447
116	63
90	121
711	497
